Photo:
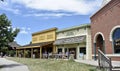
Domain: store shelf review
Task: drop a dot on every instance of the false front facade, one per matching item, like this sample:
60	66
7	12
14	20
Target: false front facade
42	42
75	40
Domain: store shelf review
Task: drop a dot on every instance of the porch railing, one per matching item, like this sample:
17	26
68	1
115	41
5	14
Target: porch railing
58	56
104	62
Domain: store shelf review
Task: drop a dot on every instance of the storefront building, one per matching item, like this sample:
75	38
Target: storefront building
105	29
76	40
42	43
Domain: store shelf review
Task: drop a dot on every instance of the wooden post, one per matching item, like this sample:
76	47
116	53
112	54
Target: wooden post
78	52
54	49
40	52
16	53
24	53
31	52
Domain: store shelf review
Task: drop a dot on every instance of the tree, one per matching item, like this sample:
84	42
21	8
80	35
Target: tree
7	34
1	0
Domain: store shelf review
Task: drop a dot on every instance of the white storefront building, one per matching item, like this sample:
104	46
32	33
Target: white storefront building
75	39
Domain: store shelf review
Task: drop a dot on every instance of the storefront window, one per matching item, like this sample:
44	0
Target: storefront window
59	50
116	40
83	50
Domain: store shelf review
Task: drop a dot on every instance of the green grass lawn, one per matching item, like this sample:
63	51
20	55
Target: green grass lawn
53	65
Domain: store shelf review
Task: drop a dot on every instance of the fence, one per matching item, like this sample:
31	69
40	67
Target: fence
104	62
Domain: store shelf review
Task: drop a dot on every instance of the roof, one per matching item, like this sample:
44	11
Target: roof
100	9
36	44
105	2
14	44
74	27
71	40
47	30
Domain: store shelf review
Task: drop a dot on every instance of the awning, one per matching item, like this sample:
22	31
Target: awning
71	40
36	45
13	44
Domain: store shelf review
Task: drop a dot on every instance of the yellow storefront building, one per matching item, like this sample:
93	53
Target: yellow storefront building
41	45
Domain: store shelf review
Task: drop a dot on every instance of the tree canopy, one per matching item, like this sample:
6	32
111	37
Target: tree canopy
1	0
7	33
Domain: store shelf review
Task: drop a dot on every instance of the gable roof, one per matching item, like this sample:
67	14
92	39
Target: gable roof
14	44
102	7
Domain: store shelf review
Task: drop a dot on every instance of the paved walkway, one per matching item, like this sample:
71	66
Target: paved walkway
95	63
8	65
89	62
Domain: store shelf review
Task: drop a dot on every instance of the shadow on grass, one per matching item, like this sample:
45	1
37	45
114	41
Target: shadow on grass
10	65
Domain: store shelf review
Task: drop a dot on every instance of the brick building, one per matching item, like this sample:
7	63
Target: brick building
105	29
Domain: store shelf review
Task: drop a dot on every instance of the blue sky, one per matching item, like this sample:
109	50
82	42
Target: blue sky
36	15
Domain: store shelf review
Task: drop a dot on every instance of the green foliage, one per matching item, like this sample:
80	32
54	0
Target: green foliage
7	34
11	53
35	50
92	69
1	0
27	53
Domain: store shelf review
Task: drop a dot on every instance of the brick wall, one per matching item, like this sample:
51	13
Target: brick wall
104	20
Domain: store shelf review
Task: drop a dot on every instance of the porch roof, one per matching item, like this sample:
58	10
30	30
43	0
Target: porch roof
34	45
13	44
71	40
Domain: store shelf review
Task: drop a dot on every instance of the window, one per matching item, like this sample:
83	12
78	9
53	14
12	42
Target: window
83	50
116	40
50	36
66	50
69	33
34	39
59	50
41	37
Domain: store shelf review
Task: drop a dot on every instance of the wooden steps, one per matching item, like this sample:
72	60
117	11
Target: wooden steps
116	69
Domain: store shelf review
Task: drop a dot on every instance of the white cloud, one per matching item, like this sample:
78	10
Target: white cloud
29	29
24	30
8	7
14	28
49	14
34	7
82	7
15	11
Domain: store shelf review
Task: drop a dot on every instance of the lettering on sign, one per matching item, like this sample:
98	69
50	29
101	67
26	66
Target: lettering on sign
42	38
69	33
50	36
34	39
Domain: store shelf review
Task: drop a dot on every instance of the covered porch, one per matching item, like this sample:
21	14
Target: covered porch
75	46
37	50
